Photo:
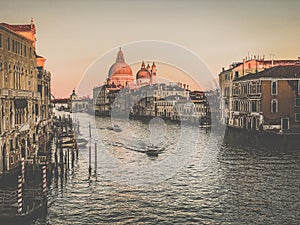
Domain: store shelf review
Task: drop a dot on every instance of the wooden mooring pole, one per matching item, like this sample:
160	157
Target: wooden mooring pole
68	158
23	170
96	158
90	150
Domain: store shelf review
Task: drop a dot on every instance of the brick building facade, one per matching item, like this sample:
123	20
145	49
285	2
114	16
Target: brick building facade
268	100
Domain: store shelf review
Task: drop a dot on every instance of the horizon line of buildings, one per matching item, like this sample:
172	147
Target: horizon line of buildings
143	97
255	94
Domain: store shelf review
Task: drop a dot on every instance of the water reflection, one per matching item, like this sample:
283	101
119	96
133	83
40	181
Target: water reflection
241	185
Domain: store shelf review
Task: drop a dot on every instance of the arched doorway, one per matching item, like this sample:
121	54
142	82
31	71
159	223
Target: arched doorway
254	123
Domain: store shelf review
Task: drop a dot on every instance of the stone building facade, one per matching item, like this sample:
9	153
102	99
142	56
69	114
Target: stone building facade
25	112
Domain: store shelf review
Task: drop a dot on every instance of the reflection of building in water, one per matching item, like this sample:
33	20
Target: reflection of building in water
25	114
145	97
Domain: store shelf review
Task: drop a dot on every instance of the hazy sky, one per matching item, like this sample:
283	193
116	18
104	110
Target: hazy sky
73	34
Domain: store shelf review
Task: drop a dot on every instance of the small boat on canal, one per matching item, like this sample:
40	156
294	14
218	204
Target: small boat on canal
117	128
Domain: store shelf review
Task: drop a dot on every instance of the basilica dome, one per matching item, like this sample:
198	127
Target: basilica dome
143	73
118	69
120	72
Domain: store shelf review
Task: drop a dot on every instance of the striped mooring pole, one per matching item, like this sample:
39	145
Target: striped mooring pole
20	199
23	170
44	180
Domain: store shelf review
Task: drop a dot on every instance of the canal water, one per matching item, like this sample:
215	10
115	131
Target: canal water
190	181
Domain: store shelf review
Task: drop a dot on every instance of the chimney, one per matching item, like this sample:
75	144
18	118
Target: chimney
299	58
223	68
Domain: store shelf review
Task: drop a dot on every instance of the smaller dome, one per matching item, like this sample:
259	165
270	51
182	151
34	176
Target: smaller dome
143	74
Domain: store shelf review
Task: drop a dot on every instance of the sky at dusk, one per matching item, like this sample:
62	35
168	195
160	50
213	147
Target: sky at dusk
73	34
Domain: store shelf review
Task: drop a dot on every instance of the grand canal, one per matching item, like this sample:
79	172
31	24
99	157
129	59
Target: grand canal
238	185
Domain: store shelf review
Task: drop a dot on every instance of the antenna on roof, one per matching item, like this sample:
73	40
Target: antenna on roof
272	58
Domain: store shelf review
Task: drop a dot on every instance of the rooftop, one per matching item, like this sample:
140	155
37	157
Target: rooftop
17	28
292	71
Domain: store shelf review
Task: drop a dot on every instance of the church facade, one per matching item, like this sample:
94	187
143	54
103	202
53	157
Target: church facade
120	76
122	95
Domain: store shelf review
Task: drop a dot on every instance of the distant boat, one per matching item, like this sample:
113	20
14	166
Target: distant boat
153	151
117	128
81	142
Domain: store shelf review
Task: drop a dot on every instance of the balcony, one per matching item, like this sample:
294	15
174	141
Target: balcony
4	92
19	93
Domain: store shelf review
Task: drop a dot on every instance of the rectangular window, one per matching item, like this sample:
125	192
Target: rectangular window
236	74
25	53
254	106
297	102
274	88
0	40
297	117
8	44
274	106
285	123
298	87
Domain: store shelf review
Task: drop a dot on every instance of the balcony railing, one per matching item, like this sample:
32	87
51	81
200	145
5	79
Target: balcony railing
19	93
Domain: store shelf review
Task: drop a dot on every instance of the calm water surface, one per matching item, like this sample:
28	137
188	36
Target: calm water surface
241	185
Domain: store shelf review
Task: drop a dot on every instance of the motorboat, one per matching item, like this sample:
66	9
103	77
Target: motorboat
81	142
117	128
153	151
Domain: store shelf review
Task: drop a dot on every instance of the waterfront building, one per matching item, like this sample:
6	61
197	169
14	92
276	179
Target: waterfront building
25	110
120	76
268	100
157	100
79	104
240	69
201	106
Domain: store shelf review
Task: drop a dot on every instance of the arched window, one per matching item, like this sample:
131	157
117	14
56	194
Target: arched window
274	106
274	88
